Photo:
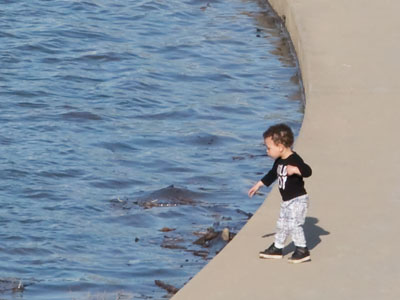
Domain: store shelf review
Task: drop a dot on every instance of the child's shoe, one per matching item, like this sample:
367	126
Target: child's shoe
271	252
301	254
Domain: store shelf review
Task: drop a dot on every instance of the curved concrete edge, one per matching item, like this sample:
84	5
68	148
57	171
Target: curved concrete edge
348	55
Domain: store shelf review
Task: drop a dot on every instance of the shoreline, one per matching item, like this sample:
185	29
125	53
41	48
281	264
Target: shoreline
347	53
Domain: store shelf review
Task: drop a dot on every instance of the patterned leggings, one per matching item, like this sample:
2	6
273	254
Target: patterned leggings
291	220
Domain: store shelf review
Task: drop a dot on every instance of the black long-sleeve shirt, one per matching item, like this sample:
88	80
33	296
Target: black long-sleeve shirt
289	186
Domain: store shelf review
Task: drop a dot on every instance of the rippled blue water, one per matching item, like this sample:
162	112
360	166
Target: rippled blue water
104	102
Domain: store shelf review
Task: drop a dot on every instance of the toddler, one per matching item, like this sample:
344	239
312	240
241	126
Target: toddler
289	168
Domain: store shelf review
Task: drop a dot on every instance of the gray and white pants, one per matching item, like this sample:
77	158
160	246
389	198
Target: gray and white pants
291	220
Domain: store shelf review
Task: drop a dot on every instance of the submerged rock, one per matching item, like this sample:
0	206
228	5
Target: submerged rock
172	243
205	239
11	285
169	288
169	196
167	229
248	215
213	237
225	234
202	253
165	197
213	241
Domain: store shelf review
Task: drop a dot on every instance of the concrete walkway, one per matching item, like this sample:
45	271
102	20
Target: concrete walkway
349	56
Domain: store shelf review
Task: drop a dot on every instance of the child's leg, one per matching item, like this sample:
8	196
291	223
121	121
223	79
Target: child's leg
298	211
282	225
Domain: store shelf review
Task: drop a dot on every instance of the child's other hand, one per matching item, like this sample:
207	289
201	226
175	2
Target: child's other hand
292	170
255	188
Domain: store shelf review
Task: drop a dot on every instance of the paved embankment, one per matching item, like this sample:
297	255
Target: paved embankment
349	56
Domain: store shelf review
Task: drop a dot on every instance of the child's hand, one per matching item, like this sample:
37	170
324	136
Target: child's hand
255	188
292	170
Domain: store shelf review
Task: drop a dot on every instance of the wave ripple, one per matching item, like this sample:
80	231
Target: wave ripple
111	107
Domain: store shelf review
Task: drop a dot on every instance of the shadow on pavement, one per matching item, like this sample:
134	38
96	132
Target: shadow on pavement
312	231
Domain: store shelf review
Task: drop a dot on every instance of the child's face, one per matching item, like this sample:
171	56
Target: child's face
273	150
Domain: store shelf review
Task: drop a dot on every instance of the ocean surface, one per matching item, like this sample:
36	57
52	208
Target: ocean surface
128	129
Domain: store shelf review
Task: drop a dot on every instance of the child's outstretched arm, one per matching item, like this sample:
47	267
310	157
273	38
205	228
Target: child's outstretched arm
255	188
267	180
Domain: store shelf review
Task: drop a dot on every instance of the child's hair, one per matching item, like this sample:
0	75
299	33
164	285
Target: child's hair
280	134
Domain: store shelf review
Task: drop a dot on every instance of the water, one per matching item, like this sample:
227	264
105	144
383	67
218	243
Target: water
104	105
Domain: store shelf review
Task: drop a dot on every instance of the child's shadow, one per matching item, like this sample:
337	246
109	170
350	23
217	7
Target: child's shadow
312	232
